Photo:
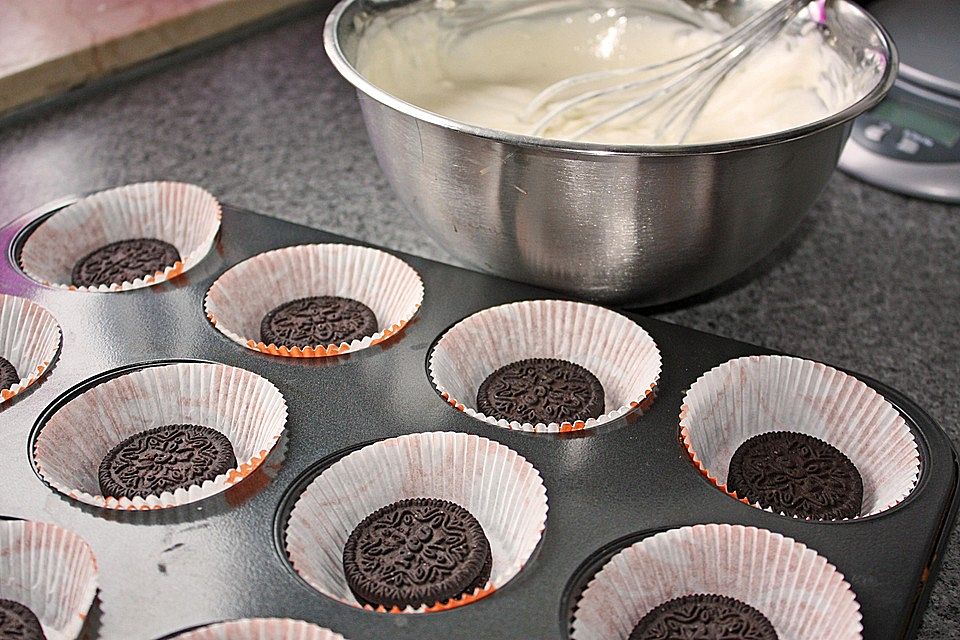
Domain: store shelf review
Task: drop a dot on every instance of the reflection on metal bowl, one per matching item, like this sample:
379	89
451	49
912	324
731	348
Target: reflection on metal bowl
630	223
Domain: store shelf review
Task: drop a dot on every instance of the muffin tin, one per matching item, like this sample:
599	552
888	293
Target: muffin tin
164	571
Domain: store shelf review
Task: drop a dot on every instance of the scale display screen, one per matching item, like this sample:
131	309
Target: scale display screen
922	121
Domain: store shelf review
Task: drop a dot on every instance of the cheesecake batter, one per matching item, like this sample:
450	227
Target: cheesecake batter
483	63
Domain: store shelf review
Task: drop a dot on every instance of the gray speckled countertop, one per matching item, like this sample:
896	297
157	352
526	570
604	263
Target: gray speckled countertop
870	282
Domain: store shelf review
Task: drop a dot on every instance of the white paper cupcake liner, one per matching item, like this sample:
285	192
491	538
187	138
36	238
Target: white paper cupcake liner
261	477
499	487
29	340
615	349
49	570
243	295
261	629
245	407
803	596
185	215
756	394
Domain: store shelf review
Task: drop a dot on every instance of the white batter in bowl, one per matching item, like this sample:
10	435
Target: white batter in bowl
483	62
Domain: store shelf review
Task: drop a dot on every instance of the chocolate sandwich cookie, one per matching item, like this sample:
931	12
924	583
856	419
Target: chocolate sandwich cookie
796	474
704	617
124	261
541	390
416	552
8	374
165	459
317	321
17	622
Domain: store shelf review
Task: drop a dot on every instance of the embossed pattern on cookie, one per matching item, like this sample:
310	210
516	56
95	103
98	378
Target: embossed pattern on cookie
416	552
704	617
17	622
796	474
166	458
124	261
543	390
317	321
8	374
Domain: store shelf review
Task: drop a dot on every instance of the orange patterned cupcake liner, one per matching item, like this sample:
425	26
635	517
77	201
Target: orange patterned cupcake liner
185	215
241	296
30	341
248	409
748	396
503	491
772	573
614	348
50	570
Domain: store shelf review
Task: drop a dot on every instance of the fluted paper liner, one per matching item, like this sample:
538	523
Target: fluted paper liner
51	571
261	629
29	340
243	295
185	215
615	349
499	487
803	595
245	407
755	394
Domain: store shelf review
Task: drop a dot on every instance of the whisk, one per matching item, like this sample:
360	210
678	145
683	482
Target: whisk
679	88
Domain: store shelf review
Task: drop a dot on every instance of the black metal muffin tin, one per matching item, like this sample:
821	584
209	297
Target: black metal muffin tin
222	558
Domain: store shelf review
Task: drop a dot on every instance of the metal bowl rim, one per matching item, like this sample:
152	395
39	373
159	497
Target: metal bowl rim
349	72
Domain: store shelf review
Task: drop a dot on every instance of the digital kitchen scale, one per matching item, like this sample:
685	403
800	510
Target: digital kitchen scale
910	142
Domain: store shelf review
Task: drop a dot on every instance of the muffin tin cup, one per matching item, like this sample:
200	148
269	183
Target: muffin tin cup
185	215
50	570
29	340
245	407
244	294
260	629
503	491
757	394
802	595
615	349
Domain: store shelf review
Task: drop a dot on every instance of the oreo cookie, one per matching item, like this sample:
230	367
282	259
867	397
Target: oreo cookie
704	617
18	622
416	552
541	390
165	459
124	261
8	374
796	474
317	321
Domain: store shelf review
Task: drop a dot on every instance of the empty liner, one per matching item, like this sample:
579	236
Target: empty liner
615	349
185	215
499	487
29	340
245	407
803	595
261	629
244	294
756	394
51	571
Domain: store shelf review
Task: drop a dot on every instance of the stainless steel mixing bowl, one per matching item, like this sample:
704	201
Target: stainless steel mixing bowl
632	223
